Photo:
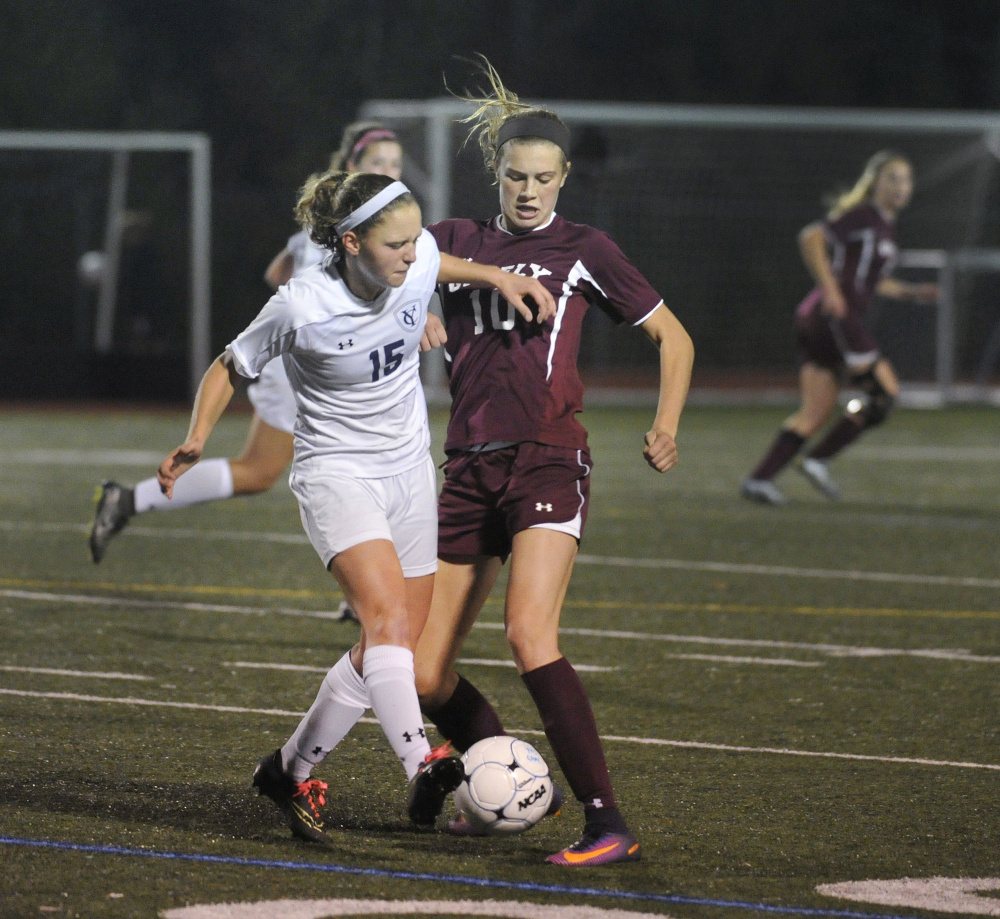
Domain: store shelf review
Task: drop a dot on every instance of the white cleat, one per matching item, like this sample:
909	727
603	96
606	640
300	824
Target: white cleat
763	491
818	474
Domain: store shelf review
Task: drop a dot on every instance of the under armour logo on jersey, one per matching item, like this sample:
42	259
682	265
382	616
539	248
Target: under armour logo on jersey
408	314
345	344
543	507
409	737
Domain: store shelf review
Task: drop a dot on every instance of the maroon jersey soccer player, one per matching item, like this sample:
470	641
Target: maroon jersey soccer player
850	255
517	475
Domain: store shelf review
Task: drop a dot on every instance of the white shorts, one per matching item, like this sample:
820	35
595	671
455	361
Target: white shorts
272	397
339	511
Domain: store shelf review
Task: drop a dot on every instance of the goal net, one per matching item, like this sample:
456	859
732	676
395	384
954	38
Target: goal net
708	202
105	239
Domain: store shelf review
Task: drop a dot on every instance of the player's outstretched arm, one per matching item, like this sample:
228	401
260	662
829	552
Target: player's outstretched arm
903	290
676	360
214	392
513	287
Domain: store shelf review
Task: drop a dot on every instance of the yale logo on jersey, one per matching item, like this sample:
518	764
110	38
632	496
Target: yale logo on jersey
408	315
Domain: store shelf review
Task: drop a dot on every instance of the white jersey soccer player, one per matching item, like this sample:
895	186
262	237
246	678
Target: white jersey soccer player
353	365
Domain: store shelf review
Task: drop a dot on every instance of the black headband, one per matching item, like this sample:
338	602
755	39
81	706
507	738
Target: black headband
534	126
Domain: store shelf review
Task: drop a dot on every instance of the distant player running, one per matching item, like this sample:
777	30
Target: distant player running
348	332
850	254
517	479
366	146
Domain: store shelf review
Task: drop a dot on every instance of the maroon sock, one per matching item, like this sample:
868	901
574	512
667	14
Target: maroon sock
785	446
841	434
466	717
572	732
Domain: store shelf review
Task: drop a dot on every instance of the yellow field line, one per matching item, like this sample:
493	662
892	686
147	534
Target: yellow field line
324	596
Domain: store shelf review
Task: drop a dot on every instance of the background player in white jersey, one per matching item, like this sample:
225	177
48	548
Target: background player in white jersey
517	476
850	254
366	146
348	331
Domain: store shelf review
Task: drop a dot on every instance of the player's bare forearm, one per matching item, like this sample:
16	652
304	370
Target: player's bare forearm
513	287
902	290
676	361
216	389
434	335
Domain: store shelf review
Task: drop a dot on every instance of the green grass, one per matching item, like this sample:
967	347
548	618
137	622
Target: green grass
922	501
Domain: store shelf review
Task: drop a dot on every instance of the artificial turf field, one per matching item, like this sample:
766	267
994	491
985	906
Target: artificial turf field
791	697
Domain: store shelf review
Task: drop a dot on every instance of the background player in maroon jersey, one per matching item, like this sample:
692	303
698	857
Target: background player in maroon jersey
850	254
517	475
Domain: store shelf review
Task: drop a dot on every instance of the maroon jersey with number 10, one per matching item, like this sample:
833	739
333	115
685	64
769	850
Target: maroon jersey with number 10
517	381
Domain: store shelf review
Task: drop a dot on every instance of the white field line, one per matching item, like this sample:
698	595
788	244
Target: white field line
673	564
881	577
71	457
488	662
950	654
94	674
50	457
473	661
648	741
915	453
728	659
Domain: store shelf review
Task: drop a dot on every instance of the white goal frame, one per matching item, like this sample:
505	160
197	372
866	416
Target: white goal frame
440	114
120	145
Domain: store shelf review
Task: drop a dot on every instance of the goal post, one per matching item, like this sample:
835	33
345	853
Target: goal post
120	145
708	200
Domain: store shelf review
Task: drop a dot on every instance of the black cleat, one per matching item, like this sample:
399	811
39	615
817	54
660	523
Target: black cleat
115	506
438	776
298	801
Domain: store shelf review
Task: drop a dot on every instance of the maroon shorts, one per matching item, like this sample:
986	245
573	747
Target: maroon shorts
491	496
831	343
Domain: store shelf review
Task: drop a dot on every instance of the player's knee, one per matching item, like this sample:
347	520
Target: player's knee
432	689
874	405
530	647
250	479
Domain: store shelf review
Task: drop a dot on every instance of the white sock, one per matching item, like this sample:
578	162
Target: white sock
209	480
342	699
389	678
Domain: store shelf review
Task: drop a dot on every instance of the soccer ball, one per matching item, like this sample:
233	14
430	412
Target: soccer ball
507	788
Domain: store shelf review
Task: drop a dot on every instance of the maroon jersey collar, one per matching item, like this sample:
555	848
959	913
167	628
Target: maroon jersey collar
498	223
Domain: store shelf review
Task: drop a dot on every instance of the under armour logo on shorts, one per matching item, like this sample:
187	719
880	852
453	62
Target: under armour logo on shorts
345	344
543	507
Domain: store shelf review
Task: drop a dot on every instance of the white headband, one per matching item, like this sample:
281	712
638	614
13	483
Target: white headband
372	206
